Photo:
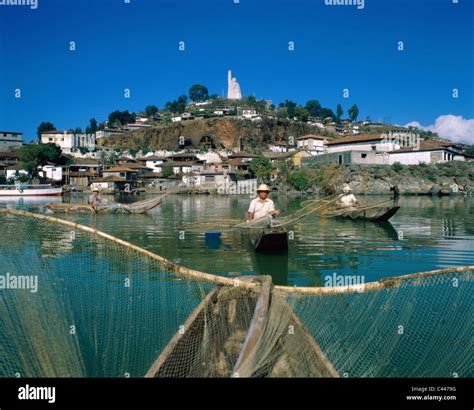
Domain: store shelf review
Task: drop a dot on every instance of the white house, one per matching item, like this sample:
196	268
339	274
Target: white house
10	141
374	142
69	140
136	127
249	113
154	162
280	147
109	132
429	152
176	118
111	182
14	170
52	172
314	144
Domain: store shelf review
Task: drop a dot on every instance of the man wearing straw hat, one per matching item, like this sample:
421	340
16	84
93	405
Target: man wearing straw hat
348	200
95	199
262	205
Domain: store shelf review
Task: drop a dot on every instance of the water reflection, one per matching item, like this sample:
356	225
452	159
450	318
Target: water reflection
426	234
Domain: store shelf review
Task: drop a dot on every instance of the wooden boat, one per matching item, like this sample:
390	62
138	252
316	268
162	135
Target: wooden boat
134	208
223	338
382	211
29	190
272	239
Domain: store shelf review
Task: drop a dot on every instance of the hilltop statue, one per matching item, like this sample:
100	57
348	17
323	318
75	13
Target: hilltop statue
233	91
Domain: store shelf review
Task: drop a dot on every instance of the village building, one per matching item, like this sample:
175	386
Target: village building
7	159
52	172
373	142
10	141
428	152
298	156
280	147
154	162
137	126
128	174
109	183
14	171
109	132
380	149
141	118
239	163
137	166
314	144
68	141
249	113
82	171
275	157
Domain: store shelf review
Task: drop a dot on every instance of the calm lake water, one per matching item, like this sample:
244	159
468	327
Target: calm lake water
426	234
120	330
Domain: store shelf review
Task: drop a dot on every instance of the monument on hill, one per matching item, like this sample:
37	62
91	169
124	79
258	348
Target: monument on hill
233	90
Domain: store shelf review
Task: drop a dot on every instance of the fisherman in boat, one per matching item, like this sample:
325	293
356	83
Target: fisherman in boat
348	200
95	199
262	205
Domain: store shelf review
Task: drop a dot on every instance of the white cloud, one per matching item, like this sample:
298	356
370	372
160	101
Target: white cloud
452	127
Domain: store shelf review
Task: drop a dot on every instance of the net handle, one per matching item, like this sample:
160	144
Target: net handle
381	284
165	262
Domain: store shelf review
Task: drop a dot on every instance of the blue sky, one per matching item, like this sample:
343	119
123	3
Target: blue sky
135	46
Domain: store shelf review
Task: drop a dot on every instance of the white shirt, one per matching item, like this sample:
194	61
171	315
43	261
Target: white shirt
261	208
348	200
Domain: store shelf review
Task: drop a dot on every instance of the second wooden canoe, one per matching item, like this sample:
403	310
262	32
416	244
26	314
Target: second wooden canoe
369	213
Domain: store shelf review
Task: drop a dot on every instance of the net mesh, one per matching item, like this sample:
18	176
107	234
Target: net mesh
106	308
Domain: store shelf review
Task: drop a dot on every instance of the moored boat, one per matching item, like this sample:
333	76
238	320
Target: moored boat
29	190
382	211
134	208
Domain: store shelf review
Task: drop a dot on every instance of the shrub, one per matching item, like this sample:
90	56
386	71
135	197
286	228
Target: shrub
397	166
299	180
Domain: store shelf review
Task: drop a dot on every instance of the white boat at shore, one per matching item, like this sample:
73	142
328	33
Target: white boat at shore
29	190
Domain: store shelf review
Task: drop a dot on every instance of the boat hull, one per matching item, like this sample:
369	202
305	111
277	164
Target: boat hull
31	192
135	208
269	240
383	213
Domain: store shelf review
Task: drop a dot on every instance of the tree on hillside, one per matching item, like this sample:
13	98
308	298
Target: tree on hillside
327	113
469	150
33	156
120	118
92	127
250	101
177	106
353	112
339	112
281	113
290	108
314	108
261	107
302	114
261	168
198	92
151	110
43	127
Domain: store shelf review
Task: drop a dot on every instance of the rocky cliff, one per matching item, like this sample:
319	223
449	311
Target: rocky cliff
224	133
425	179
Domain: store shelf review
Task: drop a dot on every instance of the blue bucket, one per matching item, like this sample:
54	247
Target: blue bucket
212	235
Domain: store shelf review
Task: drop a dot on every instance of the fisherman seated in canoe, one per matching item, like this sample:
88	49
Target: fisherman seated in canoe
262	205
348	200
95	199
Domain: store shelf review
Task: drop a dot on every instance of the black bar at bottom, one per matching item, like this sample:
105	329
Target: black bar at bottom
238	394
